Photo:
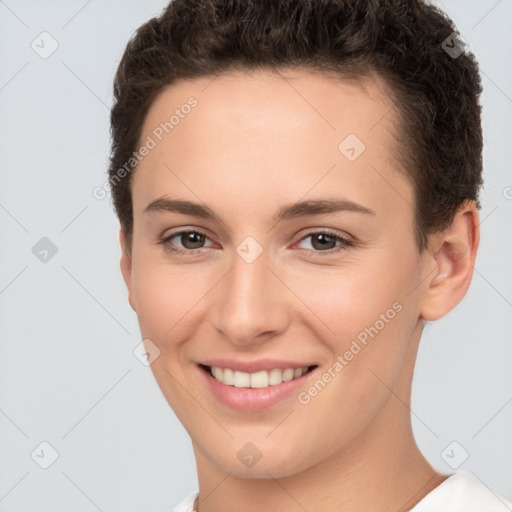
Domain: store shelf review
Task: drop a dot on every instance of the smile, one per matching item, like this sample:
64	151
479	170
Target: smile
257	390
261	379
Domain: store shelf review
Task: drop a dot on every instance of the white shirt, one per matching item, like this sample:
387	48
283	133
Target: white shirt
460	492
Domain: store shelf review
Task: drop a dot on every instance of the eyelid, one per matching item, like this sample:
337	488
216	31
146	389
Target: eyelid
185	229
164	240
345	241
327	231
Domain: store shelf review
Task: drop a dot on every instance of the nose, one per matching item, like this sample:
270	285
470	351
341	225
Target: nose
251	303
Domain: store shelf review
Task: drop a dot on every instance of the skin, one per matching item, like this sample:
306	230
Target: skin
254	143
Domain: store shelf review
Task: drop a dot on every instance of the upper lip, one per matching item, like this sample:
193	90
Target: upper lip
254	366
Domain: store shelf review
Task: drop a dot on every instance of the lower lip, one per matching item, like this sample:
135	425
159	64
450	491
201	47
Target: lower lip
253	399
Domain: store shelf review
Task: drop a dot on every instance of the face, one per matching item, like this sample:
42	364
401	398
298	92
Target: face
273	231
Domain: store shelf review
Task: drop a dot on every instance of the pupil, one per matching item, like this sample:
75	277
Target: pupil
325	240
192	240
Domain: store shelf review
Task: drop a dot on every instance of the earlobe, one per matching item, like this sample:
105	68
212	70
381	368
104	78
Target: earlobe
453	256
126	266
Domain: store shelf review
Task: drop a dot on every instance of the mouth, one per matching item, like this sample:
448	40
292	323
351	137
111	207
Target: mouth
256	380
256	391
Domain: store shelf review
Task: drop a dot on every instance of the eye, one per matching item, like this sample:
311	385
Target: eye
191	241
326	241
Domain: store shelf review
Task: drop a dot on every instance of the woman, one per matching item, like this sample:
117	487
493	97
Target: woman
297	186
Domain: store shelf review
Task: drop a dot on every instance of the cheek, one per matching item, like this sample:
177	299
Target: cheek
159	299
168	303
346	300
364	322
170	300
362	314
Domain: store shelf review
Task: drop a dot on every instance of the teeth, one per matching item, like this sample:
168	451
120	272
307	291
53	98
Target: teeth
288	375
275	376
228	377
241	379
260	379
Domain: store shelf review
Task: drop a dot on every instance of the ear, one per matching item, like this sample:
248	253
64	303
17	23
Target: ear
452	254
126	266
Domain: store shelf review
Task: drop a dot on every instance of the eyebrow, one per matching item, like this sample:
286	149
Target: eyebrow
291	211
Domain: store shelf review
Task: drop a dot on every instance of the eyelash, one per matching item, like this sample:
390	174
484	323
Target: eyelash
345	242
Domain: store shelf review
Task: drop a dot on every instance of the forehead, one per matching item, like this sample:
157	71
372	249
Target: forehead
264	99
293	131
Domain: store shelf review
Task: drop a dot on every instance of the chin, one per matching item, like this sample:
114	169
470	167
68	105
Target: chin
263	469
260	460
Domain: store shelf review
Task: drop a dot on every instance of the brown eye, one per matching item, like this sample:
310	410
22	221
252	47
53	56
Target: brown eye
324	241
321	241
192	240
183	242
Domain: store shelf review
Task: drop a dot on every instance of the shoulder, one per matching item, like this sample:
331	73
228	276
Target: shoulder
461	492
187	505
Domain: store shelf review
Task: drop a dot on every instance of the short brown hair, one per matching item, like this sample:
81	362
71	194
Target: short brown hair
439	134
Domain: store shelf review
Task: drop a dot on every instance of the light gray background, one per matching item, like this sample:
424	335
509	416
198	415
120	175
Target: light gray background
67	372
